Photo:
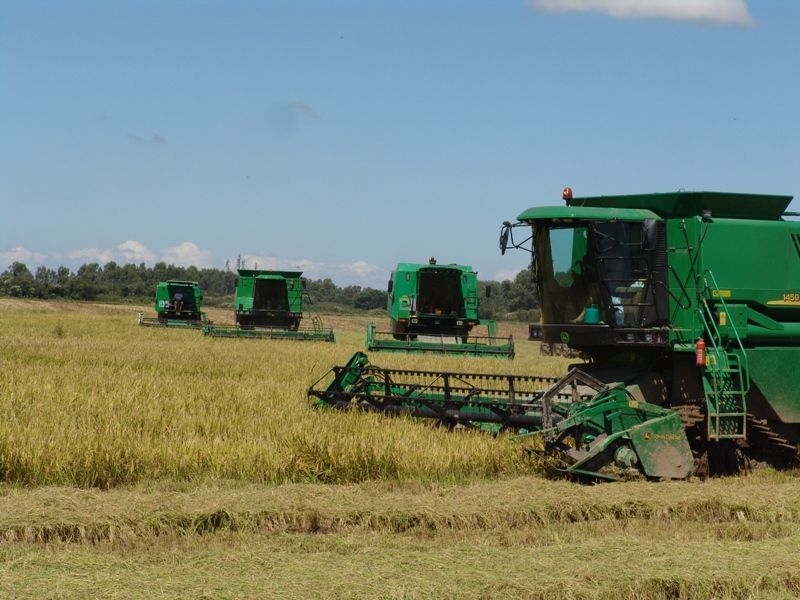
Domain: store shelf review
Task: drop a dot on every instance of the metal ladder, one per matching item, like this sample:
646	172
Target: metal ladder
726	378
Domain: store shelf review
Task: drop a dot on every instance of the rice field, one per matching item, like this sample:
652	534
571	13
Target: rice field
89	399
146	462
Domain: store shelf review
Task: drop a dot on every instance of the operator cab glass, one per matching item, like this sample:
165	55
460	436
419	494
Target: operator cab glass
592	272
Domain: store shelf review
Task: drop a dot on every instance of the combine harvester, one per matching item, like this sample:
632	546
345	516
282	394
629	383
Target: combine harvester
688	307
269	305
177	304
434	308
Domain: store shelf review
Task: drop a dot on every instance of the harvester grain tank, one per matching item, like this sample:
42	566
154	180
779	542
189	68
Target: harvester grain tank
269	299
269	304
434	308
177	304
688	307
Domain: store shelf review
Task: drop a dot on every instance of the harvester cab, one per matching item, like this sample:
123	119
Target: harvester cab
177	304
601	277
269	304
434	308
687	307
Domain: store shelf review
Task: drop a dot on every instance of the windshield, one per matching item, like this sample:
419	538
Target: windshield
566	279
597	265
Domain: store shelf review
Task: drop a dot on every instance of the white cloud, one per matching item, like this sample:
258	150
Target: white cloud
90	255
186	254
358	272
20	254
722	12
135	252
360	268
361	273
505	275
310	268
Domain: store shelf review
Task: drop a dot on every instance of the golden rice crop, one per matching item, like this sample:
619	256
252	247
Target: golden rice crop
90	399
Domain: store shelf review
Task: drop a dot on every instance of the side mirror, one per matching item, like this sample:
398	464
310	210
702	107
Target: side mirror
488	291
505	230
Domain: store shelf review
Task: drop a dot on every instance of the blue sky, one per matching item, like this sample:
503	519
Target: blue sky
343	137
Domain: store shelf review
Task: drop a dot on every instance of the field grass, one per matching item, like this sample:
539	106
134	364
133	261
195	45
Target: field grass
145	462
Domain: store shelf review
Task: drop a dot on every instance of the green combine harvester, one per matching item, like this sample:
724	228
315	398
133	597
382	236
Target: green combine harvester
177	304
269	305
687	306
434	308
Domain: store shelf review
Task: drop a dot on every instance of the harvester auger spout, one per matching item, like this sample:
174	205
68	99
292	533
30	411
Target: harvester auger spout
596	431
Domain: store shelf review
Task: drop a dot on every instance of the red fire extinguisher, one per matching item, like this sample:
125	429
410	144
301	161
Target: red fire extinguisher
700	353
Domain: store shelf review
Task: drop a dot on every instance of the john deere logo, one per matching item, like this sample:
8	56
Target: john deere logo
646	435
564	337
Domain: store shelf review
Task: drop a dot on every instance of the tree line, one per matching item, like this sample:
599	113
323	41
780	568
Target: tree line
136	283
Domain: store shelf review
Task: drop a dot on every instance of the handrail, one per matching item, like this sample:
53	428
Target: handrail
714	334
727	361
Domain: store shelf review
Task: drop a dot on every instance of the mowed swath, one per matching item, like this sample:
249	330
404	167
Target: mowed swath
92	400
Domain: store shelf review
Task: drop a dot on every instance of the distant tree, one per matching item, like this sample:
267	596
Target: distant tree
191	274
45	276
492	303
86	285
321	291
348	295
44	282
63	276
111	280
370	298
522	293
214	282
17	280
